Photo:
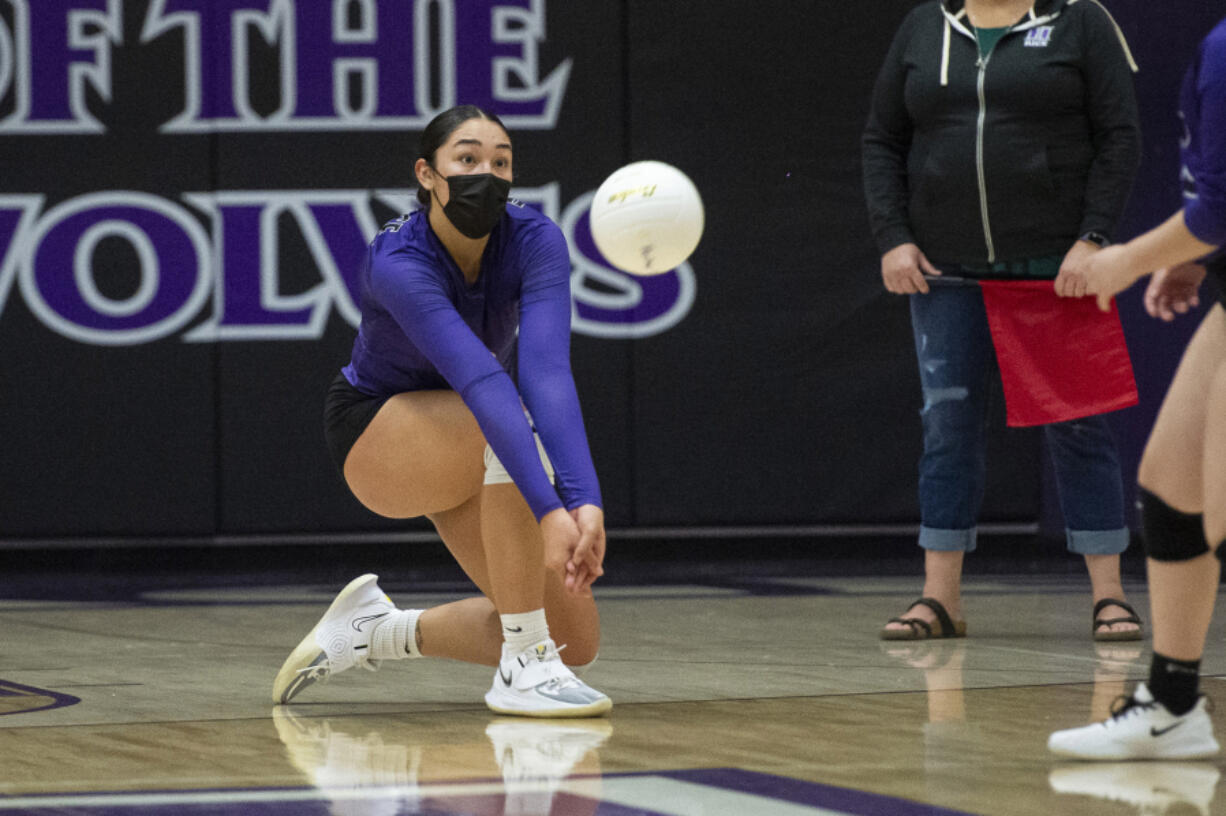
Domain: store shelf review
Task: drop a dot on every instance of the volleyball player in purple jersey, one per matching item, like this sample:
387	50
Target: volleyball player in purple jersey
426	420
1183	470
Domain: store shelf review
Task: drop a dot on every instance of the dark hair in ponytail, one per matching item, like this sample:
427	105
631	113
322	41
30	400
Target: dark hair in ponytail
439	131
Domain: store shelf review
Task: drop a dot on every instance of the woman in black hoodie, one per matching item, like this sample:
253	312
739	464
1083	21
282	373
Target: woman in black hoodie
1002	142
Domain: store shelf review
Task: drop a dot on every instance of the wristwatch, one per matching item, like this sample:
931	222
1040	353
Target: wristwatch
1097	238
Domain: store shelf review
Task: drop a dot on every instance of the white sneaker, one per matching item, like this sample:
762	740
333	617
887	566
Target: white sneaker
1141	729
341	639
1151	787
536	683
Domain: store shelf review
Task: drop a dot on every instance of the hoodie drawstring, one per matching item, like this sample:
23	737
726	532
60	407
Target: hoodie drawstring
945	56
945	44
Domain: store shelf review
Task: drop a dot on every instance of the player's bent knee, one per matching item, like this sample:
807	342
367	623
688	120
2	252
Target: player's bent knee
579	656
581	669
581	642
1169	534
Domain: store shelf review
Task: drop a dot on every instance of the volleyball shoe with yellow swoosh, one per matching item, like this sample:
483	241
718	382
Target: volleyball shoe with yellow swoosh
536	683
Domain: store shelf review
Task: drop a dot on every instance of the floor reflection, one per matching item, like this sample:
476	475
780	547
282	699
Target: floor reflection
1115	663
942	664
367	767
952	740
1151	787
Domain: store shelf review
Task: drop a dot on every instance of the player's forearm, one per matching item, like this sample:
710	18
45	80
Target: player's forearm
1169	244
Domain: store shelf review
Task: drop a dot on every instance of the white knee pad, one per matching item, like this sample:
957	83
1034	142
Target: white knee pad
495	473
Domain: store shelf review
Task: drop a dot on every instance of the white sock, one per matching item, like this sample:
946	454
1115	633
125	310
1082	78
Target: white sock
523	630
395	638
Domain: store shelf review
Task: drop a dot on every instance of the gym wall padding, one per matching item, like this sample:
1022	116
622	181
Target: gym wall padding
186	188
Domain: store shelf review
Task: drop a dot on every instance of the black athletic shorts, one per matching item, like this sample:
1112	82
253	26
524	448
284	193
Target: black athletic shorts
347	412
1217	270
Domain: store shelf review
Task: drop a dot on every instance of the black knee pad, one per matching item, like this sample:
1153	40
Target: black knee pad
1170	535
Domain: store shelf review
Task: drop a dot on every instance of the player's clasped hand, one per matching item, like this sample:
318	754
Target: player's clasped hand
575	545
588	558
903	269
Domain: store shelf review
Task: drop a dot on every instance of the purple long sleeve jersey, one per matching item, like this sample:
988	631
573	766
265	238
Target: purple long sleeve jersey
1203	109
424	327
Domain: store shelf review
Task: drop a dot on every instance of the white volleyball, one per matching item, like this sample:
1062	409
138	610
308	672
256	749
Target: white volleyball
647	218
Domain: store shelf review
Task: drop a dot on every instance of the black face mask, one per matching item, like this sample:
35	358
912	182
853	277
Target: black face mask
476	203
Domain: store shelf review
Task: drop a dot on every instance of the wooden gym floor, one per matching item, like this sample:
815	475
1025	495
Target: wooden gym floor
735	693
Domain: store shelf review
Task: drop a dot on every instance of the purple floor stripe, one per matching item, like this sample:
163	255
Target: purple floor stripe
847	800
767	786
19	699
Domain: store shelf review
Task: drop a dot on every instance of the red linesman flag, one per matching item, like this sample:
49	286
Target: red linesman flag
1060	358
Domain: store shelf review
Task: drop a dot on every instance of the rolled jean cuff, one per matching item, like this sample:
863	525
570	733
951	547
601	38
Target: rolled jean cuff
1097	542
931	538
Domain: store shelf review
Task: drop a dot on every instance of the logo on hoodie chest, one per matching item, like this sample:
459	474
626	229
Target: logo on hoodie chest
1038	37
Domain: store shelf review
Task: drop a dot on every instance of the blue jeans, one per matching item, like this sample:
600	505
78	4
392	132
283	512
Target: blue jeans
957	365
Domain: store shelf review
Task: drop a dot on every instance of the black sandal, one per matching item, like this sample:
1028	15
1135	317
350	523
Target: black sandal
919	629
1107	634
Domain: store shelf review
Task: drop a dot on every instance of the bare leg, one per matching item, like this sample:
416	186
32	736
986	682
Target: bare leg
452	630
465	630
495	538
1105	579
1179	466
942	581
1105	583
423	455
1182	596
1215	459
514	550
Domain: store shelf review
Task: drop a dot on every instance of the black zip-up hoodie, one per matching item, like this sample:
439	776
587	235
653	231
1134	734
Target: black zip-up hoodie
1009	157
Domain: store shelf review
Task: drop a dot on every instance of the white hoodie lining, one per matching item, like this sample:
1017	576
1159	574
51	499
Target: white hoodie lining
1132	63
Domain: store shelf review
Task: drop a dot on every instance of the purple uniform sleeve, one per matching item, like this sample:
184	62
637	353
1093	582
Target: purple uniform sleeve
420	305
545	377
1205	215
